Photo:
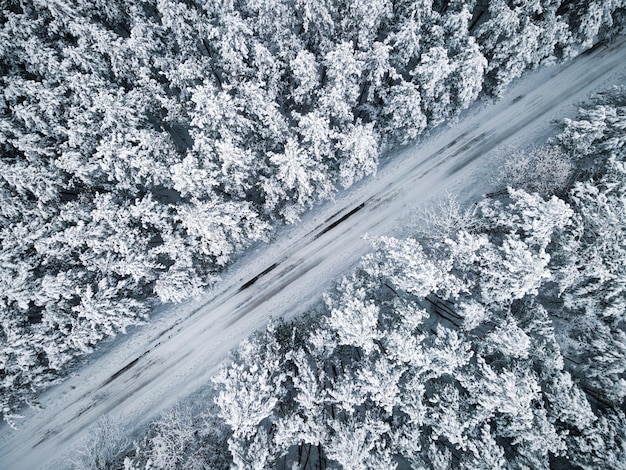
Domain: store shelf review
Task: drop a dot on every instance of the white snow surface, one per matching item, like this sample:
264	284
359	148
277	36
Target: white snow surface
136	376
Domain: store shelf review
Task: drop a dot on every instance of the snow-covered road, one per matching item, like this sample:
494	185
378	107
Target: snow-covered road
138	375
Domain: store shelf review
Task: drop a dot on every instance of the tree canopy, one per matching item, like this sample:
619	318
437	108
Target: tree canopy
145	144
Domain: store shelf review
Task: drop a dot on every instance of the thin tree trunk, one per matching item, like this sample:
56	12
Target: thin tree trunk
473	25
308	454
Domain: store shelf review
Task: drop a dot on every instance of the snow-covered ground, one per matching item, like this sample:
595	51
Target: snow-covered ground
136	376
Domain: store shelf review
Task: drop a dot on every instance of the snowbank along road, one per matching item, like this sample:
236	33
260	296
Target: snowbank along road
137	376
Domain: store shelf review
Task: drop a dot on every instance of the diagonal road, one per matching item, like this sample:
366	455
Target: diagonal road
141	374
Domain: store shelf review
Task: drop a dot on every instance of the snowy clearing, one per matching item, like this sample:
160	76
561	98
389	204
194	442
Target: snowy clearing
136	376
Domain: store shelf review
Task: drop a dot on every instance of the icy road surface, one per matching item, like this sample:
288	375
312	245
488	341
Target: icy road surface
138	375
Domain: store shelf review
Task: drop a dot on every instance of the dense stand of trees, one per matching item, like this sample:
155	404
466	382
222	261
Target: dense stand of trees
143	144
496	341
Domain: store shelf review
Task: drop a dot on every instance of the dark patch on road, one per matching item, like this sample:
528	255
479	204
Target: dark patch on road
80	429
257	277
487	144
49	432
479	138
85	409
472	142
254	303
343	219
126	368
439	152
170	328
469	159
517	98
453	142
333	216
280	275
384	198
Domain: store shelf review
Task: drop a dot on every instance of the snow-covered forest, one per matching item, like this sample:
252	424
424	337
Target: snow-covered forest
493	338
147	143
